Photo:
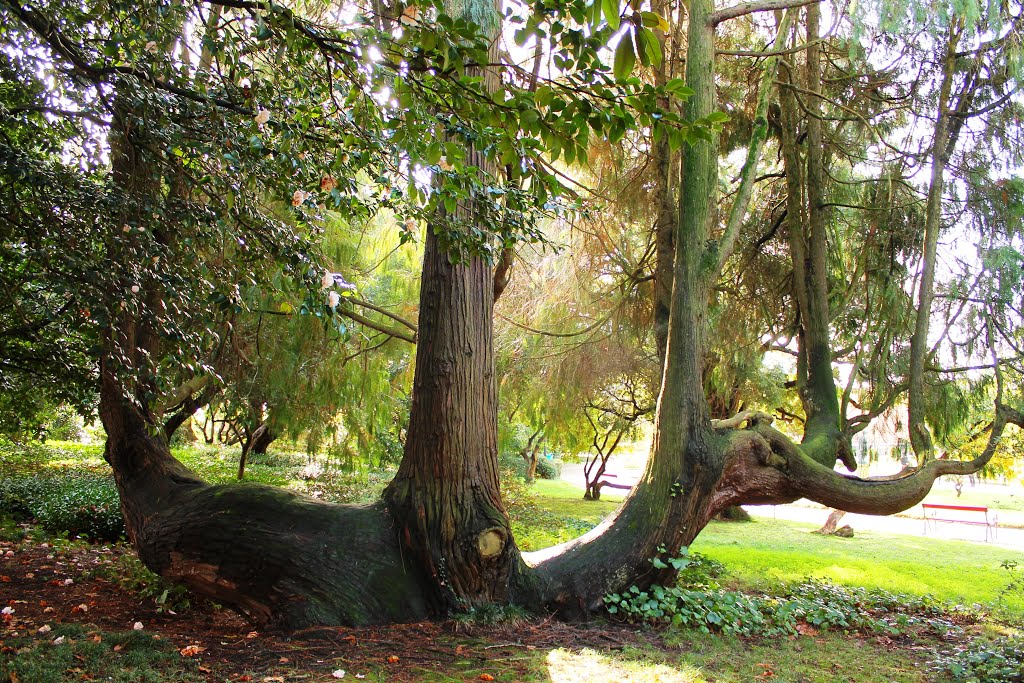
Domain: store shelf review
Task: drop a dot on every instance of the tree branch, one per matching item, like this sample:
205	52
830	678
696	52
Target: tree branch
716	18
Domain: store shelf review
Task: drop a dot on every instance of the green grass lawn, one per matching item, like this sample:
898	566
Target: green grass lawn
763	552
566	500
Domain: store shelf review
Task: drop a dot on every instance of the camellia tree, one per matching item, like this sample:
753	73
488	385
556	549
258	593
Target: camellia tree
190	132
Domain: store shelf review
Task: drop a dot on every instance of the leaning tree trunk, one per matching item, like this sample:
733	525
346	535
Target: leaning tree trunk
279	558
262	440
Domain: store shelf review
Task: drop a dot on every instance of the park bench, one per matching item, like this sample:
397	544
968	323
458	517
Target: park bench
611	484
960	514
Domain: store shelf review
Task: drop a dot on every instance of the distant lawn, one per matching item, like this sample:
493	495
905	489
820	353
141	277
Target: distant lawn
763	552
566	500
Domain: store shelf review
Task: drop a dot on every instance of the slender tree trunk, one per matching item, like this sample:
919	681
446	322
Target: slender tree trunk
672	501
664	162
942	147
808	243
531	464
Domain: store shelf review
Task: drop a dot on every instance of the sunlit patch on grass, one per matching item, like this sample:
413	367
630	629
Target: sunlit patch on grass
583	666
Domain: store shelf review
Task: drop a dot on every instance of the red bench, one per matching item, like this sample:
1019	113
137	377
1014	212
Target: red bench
934	512
611	484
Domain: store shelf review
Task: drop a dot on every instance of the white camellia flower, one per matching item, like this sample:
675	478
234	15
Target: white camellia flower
262	116
339	673
135	289
327	280
298	197
59	640
333	298
7	610
45	628
137	626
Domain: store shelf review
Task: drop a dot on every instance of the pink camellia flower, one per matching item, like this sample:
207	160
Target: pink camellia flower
327	183
298	197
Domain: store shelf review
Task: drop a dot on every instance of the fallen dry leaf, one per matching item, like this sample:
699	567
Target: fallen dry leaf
283	660
486	677
392	659
806	629
191	650
205	670
273	679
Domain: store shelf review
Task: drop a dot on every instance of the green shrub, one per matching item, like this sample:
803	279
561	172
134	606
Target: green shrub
547	469
999	661
701	571
511	465
74	502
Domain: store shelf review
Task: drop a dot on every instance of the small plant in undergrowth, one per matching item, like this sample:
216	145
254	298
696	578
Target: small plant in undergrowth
1015	586
811	605
128	572
984	661
701	571
489	615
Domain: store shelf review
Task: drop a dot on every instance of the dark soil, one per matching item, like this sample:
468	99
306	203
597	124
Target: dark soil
48	585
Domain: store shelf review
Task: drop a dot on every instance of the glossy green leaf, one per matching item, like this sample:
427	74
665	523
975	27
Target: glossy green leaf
611	13
625	59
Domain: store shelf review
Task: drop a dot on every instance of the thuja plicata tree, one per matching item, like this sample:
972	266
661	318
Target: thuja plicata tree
168	167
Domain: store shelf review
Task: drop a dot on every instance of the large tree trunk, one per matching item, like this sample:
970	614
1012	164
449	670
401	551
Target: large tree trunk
446	498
